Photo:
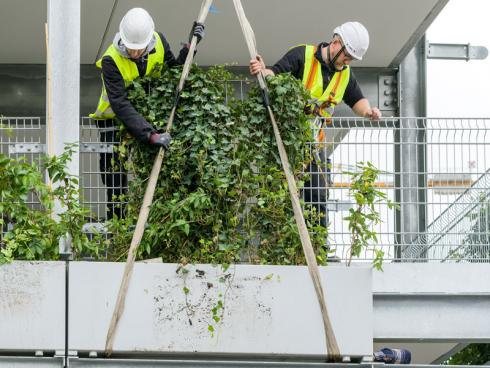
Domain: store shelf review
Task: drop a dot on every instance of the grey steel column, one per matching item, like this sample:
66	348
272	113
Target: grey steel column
64	44
410	155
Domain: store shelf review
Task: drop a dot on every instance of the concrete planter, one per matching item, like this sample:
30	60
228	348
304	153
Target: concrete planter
268	310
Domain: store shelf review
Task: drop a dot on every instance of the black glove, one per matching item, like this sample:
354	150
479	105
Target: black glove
311	109
198	31
160	140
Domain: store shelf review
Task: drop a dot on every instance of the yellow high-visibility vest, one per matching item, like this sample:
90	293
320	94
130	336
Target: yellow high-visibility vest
313	81
129	72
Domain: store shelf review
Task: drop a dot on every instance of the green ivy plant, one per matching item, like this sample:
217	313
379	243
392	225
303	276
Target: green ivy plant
222	195
364	216
27	233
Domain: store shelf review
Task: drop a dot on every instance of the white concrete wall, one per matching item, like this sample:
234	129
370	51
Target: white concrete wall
269	310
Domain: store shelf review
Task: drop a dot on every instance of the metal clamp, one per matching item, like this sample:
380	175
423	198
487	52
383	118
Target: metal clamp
96	148
26	148
337	205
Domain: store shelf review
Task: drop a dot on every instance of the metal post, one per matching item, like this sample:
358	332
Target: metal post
410	154
67	309
64	82
66	254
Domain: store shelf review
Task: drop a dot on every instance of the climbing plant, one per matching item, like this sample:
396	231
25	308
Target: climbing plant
364	215
222	195
30	230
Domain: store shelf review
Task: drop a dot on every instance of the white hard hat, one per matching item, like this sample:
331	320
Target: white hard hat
355	37
136	29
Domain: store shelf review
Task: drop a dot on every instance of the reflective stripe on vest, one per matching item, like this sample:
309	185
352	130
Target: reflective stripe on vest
313	81
129	72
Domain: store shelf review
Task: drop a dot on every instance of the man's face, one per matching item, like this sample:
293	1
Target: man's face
344	57
135	54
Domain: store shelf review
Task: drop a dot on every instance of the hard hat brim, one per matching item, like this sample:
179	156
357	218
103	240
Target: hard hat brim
135	46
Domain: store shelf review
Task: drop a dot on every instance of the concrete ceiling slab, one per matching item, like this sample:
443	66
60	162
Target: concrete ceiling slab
394	25
22	36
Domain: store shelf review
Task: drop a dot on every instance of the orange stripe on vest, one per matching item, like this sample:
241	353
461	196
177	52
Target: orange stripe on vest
312	72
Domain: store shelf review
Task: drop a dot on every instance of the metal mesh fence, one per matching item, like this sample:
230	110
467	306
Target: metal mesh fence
23	138
102	181
437	170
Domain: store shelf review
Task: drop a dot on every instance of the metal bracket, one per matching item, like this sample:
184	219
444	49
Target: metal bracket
61	353
94	227
454	51
388	92
337	205
96	148
26	148
65	247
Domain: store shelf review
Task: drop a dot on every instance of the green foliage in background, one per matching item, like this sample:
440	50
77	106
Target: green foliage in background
473	354
31	231
221	195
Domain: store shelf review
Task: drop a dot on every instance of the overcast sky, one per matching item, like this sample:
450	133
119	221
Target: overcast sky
460	88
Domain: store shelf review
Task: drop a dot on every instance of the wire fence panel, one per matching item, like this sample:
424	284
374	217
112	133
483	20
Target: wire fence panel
102	180
347	143
458	190
436	170
446	198
23	138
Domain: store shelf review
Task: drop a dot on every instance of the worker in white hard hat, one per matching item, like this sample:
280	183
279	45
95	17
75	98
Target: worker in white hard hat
136	51
325	71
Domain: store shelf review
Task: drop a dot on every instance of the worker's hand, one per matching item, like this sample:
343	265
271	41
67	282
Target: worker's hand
256	65
312	109
373	113
198	31
160	140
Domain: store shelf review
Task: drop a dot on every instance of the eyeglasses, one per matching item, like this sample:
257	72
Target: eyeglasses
346	53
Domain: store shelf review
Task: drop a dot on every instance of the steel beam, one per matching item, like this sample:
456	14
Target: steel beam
23	362
432	302
410	151
211	362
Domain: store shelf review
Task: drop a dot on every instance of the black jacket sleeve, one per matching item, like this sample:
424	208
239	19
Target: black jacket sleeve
137	126
293	62
353	91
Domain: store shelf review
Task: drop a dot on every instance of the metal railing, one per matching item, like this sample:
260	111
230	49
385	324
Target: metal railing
446	200
99	189
444	212
23	137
